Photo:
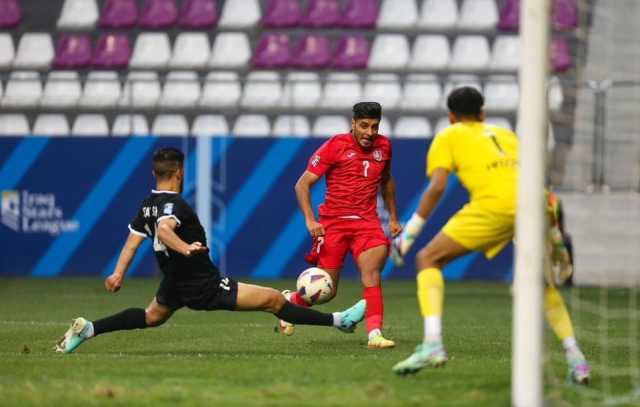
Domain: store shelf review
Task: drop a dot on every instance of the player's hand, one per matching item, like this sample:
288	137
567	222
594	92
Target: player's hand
195	248
395	228
113	282
315	228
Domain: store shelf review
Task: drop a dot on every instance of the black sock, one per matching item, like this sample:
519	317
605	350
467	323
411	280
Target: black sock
131	318
303	316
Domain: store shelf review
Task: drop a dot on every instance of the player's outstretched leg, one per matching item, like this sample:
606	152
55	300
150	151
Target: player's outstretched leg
293	297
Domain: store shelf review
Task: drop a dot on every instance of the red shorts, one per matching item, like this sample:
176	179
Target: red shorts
342	235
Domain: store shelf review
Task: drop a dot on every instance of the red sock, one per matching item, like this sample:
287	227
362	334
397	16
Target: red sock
375	307
297	299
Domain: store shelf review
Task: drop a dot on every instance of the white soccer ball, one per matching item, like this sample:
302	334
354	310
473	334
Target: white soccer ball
315	285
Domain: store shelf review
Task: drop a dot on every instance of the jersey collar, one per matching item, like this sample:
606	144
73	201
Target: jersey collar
153	191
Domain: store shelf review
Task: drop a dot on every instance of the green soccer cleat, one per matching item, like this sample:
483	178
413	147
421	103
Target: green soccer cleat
350	317
579	370
395	252
426	354
75	335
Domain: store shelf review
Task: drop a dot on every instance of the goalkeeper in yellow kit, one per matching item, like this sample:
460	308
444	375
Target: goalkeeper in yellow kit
485	159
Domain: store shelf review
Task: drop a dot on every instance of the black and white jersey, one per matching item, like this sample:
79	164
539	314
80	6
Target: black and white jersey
161	205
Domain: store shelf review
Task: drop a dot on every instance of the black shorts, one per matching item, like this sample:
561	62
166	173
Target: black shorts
207	294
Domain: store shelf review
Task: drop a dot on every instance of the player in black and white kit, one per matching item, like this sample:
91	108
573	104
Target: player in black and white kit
190	279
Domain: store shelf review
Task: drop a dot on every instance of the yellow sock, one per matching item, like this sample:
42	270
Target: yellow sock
557	314
430	292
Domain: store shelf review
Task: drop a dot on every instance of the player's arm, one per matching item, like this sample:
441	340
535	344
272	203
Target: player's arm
303	194
388	190
167	235
128	252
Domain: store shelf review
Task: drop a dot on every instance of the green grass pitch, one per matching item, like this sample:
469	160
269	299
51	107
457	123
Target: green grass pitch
224	358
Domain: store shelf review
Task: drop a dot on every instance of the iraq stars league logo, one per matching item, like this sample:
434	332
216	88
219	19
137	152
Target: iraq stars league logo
11	209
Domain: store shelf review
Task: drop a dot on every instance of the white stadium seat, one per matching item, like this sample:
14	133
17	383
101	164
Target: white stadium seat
51	125
1	90
230	50
499	121
141	89
327	126
151	51
92	125
501	94
210	125
170	125
62	89
398	14
384	89
14	125
430	52
385	127
341	91
554	93
291	126
262	90
442	124
190	51
35	51
240	14
412	127
7	52
101	89
181	90
251	125
221	90
506	53
438	15
470	52
78	15
23	89
389	51
302	90
478	15
130	125
421	92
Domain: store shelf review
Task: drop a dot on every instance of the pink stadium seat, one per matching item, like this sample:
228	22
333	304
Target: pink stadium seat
560	55
352	52
509	16
282	13
158	14
73	51
360	14
272	51
565	14
312	52
321	13
10	13
118	14
198	14
111	52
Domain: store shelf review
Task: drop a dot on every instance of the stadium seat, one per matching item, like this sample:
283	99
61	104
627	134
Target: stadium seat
210	125
23	89
302	90
421	92
398	15
442	124
560	55
198	14
51	125
281	13
151	51
291	126
478	15
112	52
14	125
1	90
412	127
221	90
170	125
438	15
506	53
262	90
158	14
130	125
501	94
311	52
554	93
499	121
389	51
101	89
62	90
509	16
352	52
141	89
328	125
470	53
230	50
385	127
92	125
73	52
430	53
240	14
118	14
361	14
251	125
181	90
78	15
190	51
272	51
321	14
384	89
35	51
565	14
10	15
341	91
7	52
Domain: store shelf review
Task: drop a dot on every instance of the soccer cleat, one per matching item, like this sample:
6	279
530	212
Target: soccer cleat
426	354
350	317
395	252
285	327
75	335
380	342
579	370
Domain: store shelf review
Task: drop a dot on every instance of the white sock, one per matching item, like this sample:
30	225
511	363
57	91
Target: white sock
337	318
374	332
433	329
570	345
88	330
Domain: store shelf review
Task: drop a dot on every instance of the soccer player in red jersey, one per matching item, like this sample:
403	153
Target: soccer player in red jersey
356	165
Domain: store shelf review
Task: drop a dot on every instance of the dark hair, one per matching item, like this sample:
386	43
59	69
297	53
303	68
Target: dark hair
166	161
367	110
465	101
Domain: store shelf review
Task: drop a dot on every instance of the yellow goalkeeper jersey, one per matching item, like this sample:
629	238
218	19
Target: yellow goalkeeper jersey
484	157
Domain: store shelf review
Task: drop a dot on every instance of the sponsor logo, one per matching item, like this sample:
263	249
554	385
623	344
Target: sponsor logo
168	209
11	209
350	154
34	212
315	161
377	155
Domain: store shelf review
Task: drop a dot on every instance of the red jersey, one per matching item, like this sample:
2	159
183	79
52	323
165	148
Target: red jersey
353	175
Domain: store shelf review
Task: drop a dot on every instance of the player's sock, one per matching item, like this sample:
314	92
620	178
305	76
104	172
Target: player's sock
431	298
557	314
131	318
296	314
374	314
297	299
